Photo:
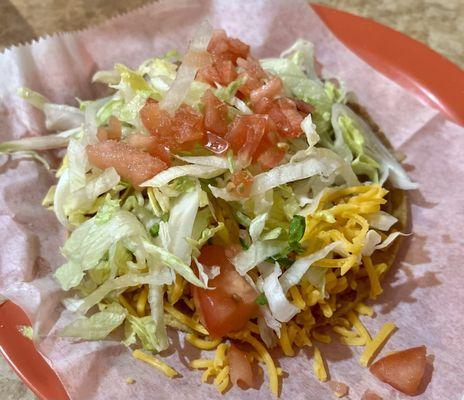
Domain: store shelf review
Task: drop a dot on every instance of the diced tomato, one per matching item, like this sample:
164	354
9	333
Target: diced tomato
270	90
286	117
248	86
114	128
242	181
111	132
215	143
241	372
403	370
252	73
133	165
304	107
157	121
187	125
209	75
252	67
268	154
226	71
102	134
222	72
177	132
370	395
215	114
262	105
221	47
228	307
151	145
245	134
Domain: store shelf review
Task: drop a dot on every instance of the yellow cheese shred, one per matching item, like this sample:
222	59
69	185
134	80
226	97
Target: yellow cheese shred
127	305
297	300
284	340
222	379
142	301
342	331
196	326
359	327
319	366
155	362
220	358
321	337
266	357
202	343
373	278
175	291
362	309
374	346
201	363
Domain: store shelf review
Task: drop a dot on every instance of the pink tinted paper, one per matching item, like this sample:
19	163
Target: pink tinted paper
422	294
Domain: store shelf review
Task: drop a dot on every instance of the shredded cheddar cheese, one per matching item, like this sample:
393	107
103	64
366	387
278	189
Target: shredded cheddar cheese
319	366
201	363
155	362
185	319
202	343
142	301
373	347
342	215
176	291
285	341
127	305
359	327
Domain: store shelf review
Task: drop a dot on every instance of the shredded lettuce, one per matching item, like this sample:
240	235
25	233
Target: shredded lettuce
293	275
155	299
173	262
143	328
370	156
90	241
319	161
168	175
373	241
70	206
58	117
180	224
122	282
256	254
98	326
257	226
280	307
381	220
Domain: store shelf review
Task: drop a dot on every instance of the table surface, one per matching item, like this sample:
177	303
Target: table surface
437	23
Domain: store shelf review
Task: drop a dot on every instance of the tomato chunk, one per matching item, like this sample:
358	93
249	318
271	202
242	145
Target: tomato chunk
403	370
245	134
286	117
241	372
187	125
177	132
157	121
270	90
151	145
215	114
268	154
112	131
222	72
222	47
229	306
133	165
